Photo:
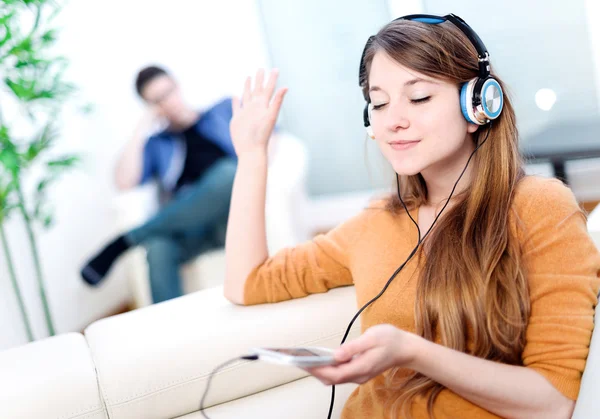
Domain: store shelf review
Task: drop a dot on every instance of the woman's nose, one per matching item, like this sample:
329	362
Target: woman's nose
396	118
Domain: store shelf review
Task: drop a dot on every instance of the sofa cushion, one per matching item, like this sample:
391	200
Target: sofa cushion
153	363
301	399
53	378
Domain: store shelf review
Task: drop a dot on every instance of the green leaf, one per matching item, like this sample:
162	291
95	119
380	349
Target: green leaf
7	34
49	37
44	94
43	142
38	205
42	213
5	190
47	221
10	2
16	88
23	47
64	162
43	184
28	90
32	2
22	89
7	199
8	16
9	158
7	145
32	152
4	137
32	62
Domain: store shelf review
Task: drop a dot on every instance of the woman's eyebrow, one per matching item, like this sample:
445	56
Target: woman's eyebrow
410	82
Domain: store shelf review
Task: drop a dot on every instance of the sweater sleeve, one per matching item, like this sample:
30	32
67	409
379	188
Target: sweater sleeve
312	267
562	265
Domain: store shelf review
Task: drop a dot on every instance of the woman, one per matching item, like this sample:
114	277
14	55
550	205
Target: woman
493	315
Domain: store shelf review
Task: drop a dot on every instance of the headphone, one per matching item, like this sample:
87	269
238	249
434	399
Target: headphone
481	98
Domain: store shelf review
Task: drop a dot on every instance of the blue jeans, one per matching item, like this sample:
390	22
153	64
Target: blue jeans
193	222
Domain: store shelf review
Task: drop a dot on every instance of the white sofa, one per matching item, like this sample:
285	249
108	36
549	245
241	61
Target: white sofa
153	363
285	210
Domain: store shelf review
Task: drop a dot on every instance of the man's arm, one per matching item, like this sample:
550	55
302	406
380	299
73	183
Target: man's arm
128	171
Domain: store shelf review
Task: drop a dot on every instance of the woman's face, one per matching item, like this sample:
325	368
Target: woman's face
416	120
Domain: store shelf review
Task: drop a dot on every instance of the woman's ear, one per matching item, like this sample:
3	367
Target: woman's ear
471	128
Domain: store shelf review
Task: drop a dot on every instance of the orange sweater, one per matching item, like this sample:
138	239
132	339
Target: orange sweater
561	260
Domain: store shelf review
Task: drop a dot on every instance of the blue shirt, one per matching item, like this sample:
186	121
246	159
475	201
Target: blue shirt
165	152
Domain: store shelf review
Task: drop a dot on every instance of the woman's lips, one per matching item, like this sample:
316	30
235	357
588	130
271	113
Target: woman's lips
403	145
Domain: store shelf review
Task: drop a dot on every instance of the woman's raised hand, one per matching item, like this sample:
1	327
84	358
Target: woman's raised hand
254	115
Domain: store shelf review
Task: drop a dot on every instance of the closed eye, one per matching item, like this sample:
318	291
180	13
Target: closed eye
413	101
421	100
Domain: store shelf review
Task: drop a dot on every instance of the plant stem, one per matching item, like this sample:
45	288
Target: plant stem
36	258
38	14
15	284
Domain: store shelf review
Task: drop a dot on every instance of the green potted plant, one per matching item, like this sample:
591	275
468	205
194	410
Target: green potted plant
33	84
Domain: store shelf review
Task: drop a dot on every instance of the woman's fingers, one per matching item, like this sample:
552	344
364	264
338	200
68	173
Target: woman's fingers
247	95
270	87
260	90
355	347
278	100
258	82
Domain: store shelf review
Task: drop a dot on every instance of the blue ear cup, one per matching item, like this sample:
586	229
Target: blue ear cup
481	100
466	102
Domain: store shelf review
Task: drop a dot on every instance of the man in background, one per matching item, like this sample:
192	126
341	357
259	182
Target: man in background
194	163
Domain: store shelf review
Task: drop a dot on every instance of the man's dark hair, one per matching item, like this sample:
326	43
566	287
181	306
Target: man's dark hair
146	75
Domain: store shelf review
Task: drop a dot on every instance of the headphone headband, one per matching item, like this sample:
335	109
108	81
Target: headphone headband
482	53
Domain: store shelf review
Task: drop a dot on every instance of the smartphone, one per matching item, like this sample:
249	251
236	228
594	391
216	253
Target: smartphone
303	357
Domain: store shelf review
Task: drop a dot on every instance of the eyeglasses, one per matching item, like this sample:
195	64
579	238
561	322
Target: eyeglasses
162	96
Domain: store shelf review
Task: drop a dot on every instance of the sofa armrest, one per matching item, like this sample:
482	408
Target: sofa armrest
287	196
51	378
155	362
135	206
593	225
588	403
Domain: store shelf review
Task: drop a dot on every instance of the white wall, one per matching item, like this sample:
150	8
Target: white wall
210	48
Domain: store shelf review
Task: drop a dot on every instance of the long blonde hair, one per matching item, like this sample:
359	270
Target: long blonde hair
472	295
